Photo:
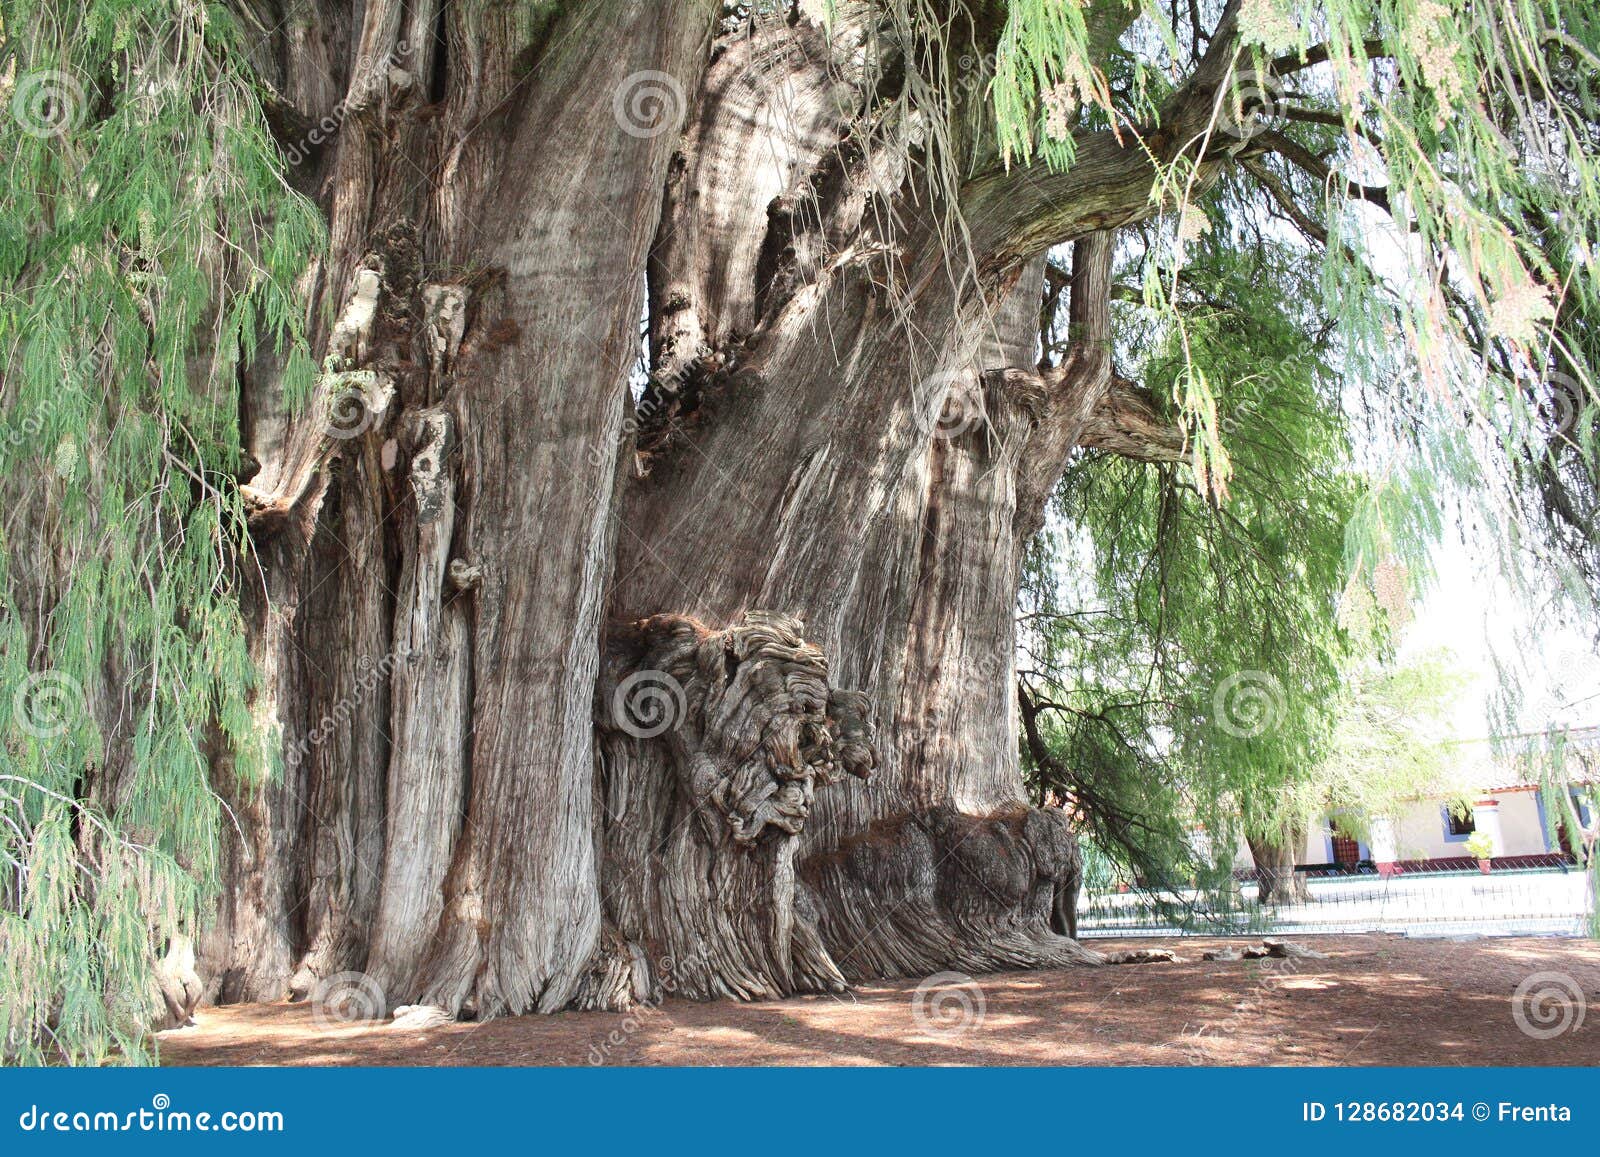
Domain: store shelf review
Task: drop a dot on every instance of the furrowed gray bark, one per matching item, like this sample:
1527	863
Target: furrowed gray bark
439	514
841	457
430	705
803	540
1274	858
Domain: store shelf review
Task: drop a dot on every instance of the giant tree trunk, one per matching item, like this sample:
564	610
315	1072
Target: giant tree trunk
577	690
440	514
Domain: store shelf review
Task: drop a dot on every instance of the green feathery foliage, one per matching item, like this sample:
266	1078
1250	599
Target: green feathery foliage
1381	311
148	245
1201	682
1565	762
1388	745
1401	246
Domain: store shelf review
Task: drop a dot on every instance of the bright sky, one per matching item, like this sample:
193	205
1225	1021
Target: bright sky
1472	612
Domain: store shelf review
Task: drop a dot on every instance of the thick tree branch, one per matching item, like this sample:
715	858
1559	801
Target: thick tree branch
1285	200
1292	62
1062	398
1126	422
1022	211
1303	158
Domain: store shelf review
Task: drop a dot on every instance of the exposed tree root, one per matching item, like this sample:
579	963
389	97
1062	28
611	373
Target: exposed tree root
713	745
939	890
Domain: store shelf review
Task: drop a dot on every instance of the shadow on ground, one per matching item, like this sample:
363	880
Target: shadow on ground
1377	1000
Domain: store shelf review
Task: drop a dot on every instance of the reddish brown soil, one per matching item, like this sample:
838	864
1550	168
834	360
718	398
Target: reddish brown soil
1378	1000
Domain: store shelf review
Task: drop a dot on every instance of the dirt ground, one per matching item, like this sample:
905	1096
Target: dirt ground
1377	1000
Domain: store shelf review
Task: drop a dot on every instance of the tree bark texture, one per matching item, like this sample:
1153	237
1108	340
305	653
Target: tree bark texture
576	686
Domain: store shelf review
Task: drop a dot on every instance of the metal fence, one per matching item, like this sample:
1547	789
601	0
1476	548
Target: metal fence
1537	901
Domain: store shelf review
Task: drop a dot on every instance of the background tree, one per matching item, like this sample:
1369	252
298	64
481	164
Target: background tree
354	602
1391	744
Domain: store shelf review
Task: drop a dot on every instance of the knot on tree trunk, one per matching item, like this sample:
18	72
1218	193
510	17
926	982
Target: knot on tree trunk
747	713
712	743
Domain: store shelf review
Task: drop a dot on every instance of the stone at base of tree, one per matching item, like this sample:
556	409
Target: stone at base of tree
414	1016
1296	951
1283	950
1145	956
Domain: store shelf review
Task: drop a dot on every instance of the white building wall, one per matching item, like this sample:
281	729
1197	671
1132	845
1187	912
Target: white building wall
1521	825
1420	833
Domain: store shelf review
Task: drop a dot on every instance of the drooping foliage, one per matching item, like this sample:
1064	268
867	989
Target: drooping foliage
148	246
1193	647
1390	745
1414	202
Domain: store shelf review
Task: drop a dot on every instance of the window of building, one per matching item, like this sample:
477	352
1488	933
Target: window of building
1459	823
